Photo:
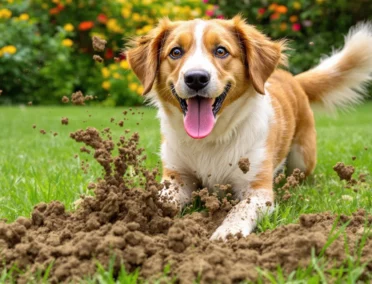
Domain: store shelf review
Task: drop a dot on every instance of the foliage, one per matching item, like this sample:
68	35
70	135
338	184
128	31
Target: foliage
313	27
46	50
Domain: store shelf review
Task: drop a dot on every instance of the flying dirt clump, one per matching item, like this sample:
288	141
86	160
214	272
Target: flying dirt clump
97	58
344	172
64	121
131	227
244	165
98	44
65	100
78	98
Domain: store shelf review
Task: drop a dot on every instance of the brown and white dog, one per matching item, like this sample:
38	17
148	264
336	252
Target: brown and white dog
221	97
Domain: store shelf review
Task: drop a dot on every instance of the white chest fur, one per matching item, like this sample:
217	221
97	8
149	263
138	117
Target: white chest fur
241	131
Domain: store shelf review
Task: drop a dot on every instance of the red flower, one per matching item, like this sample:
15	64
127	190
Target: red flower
102	18
261	11
122	56
54	11
87	25
109	53
275	16
209	13
220	17
296	27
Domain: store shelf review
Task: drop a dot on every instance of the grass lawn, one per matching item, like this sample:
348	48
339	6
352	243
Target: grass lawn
36	167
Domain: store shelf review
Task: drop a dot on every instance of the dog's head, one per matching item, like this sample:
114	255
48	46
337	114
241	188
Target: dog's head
201	67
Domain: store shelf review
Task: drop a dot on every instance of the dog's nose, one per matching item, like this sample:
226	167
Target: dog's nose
197	79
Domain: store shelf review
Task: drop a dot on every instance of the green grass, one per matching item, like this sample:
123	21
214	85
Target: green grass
39	168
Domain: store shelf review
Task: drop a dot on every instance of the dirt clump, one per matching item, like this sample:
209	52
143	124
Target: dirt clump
64	121
130	226
97	58
65	100
98	44
42	131
78	98
344	172
244	165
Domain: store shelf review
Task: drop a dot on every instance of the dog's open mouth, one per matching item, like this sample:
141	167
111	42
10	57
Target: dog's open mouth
200	112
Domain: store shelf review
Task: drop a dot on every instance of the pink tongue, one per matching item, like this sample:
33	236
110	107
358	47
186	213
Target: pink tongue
199	119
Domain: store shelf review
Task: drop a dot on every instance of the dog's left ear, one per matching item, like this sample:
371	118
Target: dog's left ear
144	54
261	55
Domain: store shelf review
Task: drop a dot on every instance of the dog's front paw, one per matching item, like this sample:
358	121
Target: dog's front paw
242	228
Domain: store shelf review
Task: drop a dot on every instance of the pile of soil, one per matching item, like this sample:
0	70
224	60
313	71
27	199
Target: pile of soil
126	221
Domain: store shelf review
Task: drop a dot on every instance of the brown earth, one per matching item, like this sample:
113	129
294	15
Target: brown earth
126	222
98	44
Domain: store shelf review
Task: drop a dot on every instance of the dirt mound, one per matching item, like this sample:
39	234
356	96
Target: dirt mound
126	222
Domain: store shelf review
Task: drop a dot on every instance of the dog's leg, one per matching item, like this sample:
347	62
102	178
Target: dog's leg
303	150
244	216
255	201
177	189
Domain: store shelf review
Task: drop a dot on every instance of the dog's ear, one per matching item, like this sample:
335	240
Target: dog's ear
261	55
144	54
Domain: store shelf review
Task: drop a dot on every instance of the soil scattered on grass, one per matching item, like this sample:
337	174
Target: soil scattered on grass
29	103
64	121
244	165
34	126
97	58
42	131
98	44
131	226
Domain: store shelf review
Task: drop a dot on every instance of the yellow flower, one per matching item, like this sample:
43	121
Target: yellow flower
106	85
113	26
55	1
297	5
67	42
105	72
10	1
125	12
24	17
10	49
140	90
68	1
116	76
113	67
147	28
68	27
136	17
320	1
133	86
5	13
283	26
44	6
124	64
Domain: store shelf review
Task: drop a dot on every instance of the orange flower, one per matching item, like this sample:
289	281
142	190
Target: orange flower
281	9
293	19
273	6
87	25
275	16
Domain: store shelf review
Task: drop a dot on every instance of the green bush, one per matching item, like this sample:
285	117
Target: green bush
46	50
313	27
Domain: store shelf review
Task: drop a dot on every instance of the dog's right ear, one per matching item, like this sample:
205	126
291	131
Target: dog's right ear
144	54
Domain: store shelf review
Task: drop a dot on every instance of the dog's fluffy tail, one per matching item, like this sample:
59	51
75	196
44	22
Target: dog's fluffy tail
340	80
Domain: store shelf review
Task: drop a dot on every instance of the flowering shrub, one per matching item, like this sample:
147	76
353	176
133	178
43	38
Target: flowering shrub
314	25
53	43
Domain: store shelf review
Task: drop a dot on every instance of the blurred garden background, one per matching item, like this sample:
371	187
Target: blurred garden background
46	51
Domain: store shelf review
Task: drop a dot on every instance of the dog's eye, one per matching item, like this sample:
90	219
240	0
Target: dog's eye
221	52
176	53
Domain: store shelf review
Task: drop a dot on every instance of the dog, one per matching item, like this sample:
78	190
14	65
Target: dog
222	96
